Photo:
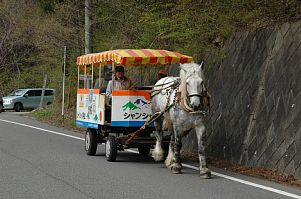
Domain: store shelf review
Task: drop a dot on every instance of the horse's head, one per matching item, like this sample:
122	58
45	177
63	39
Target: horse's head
193	83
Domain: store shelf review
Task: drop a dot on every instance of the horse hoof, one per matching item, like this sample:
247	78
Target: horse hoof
176	169
169	166
158	158
205	175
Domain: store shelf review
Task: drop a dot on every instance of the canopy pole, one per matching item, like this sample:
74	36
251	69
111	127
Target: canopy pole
92	77
113	74
85	77
141	76
78	76
99	76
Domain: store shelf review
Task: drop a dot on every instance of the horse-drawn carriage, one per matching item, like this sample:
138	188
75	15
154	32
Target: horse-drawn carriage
130	124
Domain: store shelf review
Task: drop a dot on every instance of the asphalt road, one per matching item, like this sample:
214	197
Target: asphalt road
40	161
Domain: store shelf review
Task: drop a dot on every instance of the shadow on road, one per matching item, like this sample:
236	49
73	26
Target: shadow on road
133	157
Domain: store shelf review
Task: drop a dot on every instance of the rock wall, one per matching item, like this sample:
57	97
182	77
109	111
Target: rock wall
256	101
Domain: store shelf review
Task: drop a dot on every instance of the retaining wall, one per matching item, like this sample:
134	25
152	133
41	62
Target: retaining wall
256	101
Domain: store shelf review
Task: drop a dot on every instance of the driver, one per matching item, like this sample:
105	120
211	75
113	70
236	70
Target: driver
121	82
162	74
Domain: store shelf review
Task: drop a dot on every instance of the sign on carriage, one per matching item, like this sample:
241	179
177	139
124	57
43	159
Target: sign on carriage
90	108
131	107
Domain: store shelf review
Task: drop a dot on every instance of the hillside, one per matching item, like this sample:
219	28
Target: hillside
33	32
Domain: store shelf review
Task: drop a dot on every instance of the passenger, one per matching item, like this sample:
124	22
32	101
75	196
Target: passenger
162	74
120	82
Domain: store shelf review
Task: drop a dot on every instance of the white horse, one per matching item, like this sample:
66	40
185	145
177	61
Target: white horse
184	100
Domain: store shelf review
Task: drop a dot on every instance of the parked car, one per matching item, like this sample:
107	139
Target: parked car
27	99
1	103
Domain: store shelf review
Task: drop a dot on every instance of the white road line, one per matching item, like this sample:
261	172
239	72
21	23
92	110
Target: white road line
185	165
49	131
249	183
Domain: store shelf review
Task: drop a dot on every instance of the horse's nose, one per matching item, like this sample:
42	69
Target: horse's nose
195	107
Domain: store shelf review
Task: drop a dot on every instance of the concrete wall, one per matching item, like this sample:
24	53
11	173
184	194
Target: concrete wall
256	101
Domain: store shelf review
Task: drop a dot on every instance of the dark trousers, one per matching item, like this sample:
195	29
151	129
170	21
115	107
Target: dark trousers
108	114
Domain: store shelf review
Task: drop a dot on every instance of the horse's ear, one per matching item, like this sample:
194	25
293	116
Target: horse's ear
202	65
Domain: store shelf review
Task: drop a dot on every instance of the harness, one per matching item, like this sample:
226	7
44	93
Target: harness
180	99
173	85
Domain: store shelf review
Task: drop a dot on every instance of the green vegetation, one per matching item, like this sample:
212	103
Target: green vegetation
52	116
34	32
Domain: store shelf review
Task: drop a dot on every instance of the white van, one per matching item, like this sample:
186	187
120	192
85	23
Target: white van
27	99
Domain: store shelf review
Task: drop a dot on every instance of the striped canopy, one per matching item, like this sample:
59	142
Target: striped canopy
133	57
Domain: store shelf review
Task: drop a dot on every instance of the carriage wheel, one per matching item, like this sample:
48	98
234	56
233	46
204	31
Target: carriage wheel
91	142
111	149
144	150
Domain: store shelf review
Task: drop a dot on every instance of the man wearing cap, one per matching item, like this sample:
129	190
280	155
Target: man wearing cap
120	82
162	74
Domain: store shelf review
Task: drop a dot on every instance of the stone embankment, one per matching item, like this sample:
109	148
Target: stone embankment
256	101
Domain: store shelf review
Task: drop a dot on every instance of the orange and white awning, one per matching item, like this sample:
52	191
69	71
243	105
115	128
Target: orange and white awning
133	57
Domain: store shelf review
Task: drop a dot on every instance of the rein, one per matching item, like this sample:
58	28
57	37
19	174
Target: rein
175	81
173	85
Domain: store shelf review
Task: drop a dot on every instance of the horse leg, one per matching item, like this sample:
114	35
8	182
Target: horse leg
200	133
169	159
176	165
158	153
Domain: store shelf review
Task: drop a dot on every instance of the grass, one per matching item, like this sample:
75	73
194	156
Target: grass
53	116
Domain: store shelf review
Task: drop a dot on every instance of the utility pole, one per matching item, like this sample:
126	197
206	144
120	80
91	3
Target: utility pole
43	92
88	48
63	89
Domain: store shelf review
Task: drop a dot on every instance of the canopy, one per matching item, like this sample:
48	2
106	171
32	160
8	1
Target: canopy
134	57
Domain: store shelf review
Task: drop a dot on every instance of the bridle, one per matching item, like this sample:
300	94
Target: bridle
204	98
195	95
203	92
184	101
